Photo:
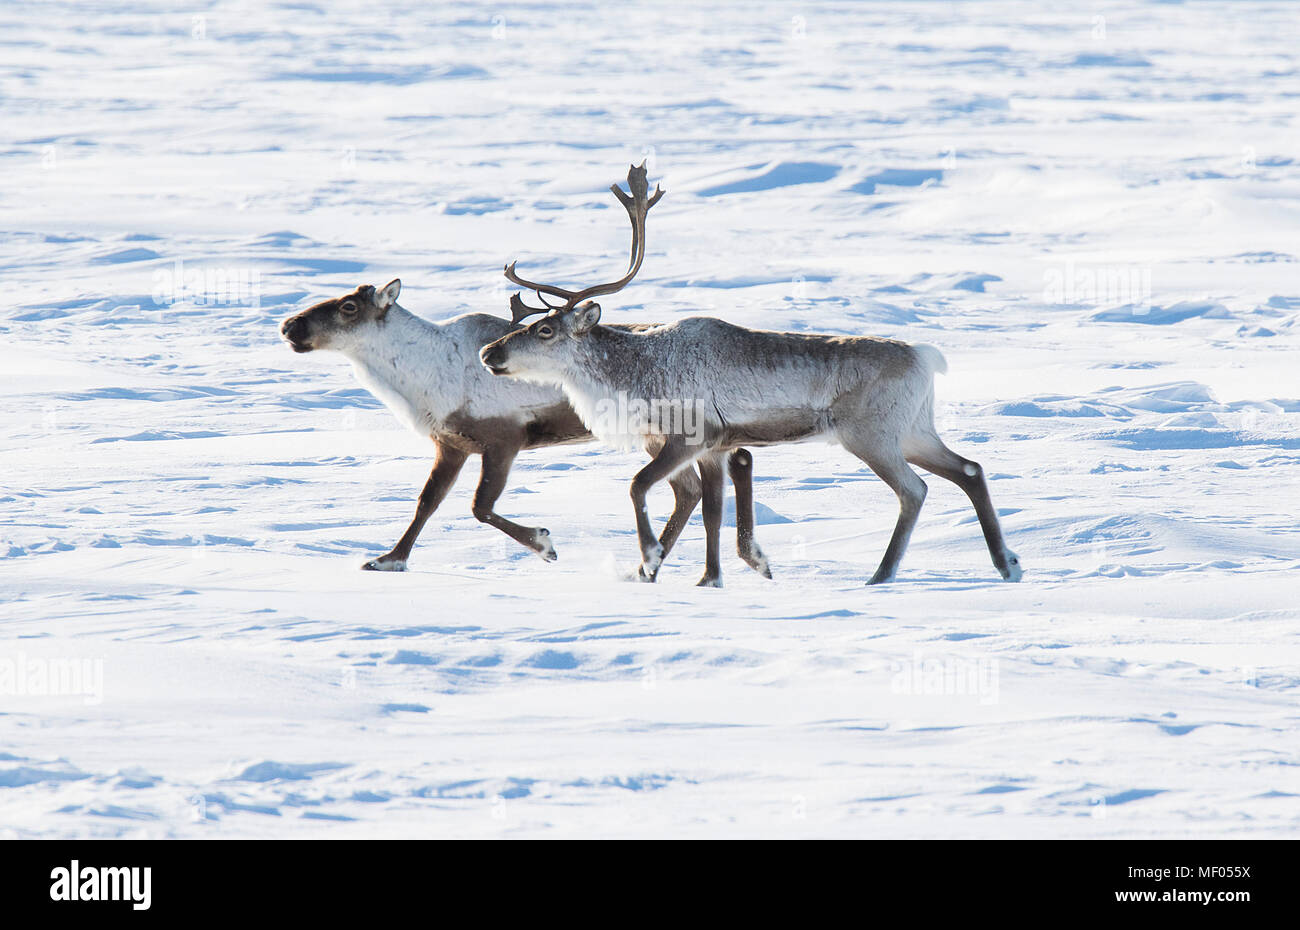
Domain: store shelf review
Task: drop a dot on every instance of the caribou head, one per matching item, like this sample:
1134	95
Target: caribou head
576	314
330	323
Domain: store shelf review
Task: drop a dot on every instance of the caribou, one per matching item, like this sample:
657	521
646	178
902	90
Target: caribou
429	375
873	396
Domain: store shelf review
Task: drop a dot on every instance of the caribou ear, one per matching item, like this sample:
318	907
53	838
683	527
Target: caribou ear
387	296
585	317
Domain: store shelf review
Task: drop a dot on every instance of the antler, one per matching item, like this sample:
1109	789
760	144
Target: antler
637	204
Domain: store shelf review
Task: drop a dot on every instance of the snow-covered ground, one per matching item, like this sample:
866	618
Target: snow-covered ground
1093	212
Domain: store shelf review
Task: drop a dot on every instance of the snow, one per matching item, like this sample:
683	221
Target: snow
1091	212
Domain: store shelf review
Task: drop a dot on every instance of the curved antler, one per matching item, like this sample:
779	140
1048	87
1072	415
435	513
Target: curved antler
637	204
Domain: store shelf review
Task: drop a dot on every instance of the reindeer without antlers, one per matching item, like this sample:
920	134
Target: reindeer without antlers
753	387
429	375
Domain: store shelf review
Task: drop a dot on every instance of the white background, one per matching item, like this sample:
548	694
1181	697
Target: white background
186	502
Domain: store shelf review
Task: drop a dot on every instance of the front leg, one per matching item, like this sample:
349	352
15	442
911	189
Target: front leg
711	478
446	467
497	460
675	453
741	465
686	495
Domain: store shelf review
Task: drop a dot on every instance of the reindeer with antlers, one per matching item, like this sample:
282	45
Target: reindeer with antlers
429	375
873	396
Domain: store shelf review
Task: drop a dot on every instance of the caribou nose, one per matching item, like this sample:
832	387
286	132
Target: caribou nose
492	358
294	331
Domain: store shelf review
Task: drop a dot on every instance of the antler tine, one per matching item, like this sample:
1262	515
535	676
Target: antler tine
539	288
636	182
637	204
520	310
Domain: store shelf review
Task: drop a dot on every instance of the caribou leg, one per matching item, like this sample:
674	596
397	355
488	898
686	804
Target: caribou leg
969	476
686	495
712	478
674	454
741	466
497	460
446	467
907	484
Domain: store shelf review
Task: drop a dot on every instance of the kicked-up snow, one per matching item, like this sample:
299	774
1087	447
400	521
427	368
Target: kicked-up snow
1093	213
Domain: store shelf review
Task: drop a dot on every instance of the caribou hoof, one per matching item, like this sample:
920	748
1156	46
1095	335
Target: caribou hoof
1014	572
380	565
545	548
756	560
707	582
651	559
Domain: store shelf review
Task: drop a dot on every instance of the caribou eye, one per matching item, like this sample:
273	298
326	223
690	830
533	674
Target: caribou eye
545	332
348	308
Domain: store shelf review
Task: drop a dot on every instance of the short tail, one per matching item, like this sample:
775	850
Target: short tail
932	358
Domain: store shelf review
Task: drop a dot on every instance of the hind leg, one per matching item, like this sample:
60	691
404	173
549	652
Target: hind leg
740	464
892	468
935	457
492	481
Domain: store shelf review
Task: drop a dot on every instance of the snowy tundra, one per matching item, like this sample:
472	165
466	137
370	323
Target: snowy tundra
1092	212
